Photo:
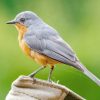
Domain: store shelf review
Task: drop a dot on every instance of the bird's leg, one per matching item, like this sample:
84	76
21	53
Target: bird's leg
36	71
51	70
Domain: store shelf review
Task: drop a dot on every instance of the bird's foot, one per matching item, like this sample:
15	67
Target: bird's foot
49	80
32	75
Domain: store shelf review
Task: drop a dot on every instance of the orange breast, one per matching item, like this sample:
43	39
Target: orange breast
22	29
39	58
42	59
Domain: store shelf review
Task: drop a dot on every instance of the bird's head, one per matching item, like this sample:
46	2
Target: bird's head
24	19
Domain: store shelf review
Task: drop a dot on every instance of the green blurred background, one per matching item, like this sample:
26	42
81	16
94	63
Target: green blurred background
78	22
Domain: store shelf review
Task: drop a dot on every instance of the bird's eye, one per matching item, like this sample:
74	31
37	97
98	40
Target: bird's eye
22	19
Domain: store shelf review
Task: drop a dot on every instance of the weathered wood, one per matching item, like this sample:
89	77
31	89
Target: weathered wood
26	88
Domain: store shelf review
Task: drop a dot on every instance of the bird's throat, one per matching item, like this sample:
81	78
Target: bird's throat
21	29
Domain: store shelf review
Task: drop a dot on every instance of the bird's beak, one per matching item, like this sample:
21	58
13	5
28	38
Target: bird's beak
11	22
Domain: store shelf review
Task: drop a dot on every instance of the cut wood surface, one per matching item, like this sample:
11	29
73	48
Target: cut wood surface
26	88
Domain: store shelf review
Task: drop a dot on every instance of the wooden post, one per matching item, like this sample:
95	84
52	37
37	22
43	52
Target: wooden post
26	88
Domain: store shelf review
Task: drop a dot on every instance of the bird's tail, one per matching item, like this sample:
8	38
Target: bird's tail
92	76
89	74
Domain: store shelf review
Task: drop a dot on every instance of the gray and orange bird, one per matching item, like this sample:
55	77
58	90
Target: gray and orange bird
43	43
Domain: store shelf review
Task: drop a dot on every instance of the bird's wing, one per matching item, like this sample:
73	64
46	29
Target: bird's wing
53	47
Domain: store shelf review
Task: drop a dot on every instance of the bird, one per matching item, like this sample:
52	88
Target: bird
43	44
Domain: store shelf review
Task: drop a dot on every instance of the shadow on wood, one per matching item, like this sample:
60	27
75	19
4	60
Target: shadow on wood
26	88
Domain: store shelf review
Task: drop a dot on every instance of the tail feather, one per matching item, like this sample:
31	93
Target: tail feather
92	77
89	74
